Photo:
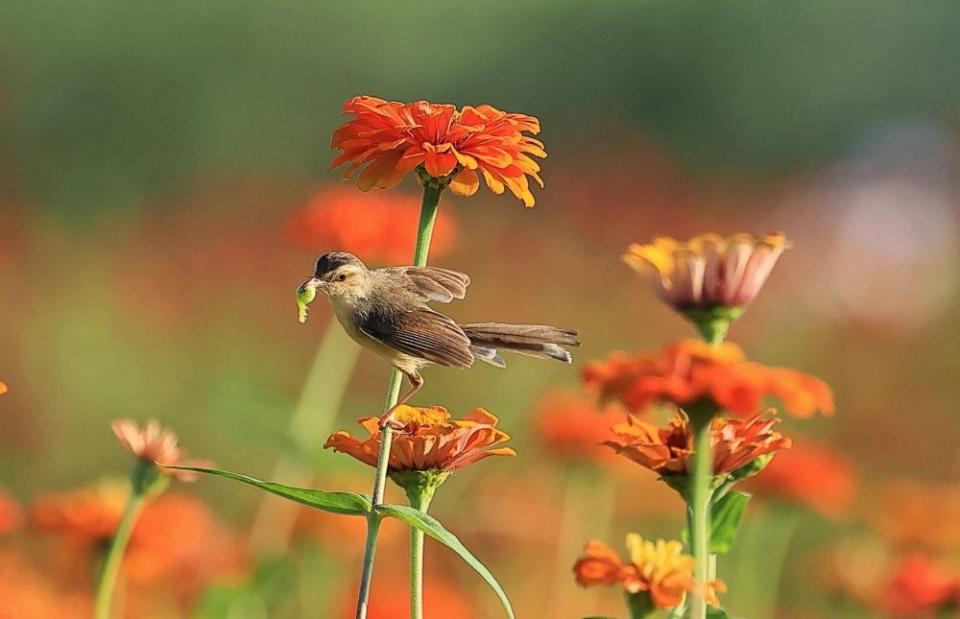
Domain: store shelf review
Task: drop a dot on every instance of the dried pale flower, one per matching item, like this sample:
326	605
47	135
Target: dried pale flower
153	444
811	474
428	441
708	271
688	371
736	443
658	568
378	226
385	140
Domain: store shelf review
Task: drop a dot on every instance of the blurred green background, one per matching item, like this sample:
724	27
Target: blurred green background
151	153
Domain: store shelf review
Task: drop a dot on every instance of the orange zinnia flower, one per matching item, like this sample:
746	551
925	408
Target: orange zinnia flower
3	387
688	371
11	514
708	271
810	474
154	444
572	426
88	515
376	226
659	568
391	599
429	440
920	586
386	139
912	514
736	443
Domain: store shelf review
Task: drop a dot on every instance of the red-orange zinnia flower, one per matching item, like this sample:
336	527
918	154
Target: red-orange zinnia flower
736	443
810	474
87	515
920	586
385	140
154	444
572	426
708	271
659	568
11	514
687	371
376	226
429	440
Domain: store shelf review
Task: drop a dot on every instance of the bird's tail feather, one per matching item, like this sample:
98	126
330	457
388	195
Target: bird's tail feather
540	341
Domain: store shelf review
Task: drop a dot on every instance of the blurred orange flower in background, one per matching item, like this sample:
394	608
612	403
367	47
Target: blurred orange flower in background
689	370
572	426
708	271
920	585
390	599
660	568
376	226
385	140
428	440
736	443
87	515
28	593
912	514
154	444
11	514
810	474
3	387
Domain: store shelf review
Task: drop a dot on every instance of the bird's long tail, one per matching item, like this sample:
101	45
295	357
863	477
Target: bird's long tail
541	341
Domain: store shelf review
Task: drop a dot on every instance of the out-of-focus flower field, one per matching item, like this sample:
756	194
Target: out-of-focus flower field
165	187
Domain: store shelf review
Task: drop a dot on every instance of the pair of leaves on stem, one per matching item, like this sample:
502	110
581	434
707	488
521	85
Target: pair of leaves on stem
354	504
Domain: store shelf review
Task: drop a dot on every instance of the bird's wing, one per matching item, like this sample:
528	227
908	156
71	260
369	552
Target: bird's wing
421	333
432	283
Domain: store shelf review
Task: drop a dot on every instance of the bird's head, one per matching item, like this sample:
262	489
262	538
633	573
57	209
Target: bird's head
339	275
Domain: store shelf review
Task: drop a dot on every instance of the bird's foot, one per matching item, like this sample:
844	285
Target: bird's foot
387	419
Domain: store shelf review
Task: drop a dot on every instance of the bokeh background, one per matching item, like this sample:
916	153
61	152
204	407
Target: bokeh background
152	159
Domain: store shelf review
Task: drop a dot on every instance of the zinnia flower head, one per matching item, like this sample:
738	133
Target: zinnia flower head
736	443
708	271
376	226
153	444
3	387
87	515
921	586
573	426
810	474
659	569
688	371
11	514
429	440
385	140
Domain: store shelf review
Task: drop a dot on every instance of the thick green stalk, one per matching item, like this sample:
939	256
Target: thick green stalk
111	564
366	574
428	217
421	502
699	507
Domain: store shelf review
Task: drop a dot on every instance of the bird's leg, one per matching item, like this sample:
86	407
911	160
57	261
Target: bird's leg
416	383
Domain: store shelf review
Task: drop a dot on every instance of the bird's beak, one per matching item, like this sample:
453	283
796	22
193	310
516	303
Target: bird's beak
306	293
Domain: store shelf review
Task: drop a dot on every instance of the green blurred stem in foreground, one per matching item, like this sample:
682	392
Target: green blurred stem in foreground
432	188
313	420
143	476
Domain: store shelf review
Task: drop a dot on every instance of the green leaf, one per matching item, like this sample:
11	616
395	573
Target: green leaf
725	517
717	613
432	527
349	503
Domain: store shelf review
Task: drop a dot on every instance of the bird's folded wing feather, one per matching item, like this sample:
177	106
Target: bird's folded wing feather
432	283
421	333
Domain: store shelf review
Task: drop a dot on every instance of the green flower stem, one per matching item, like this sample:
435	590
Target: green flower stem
699	509
419	500
111	564
313	420
428	217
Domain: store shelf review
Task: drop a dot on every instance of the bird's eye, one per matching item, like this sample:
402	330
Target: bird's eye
341	277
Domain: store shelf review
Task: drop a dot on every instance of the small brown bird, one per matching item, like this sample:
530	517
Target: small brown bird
386	311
